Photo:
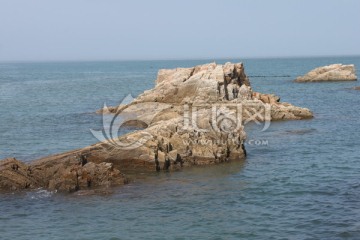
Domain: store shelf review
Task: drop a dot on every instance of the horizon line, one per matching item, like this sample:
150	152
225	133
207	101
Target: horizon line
176	59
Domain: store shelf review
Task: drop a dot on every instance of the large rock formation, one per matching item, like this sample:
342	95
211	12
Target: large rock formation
193	116
207	84
334	72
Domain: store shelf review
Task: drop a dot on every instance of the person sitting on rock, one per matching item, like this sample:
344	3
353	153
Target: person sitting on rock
82	159
15	167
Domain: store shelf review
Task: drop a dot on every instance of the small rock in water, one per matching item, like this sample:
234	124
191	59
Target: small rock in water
334	72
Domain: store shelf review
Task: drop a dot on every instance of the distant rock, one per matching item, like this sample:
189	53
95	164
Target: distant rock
334	72
356	88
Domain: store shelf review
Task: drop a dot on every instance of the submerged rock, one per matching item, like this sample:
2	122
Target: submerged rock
334	72
193	116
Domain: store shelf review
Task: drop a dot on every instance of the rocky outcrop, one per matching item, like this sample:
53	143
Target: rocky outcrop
193	116
69	173
206	84
16	175
334	72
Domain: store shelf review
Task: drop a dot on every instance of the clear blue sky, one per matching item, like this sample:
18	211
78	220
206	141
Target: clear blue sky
43	30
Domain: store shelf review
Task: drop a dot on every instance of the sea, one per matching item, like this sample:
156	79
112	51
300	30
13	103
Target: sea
300	180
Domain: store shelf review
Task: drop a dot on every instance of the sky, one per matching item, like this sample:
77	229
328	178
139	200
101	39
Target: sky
45	30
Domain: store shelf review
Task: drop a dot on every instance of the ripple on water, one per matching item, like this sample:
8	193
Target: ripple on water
304	184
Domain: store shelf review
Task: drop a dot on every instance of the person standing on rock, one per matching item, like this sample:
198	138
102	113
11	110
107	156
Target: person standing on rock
236	91
167	162
188	151
156	158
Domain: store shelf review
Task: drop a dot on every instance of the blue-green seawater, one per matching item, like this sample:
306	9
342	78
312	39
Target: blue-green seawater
300	181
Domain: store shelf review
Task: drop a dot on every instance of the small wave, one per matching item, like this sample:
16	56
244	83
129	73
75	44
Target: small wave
40	193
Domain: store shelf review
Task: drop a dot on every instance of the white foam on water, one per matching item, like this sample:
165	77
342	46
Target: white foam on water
41	193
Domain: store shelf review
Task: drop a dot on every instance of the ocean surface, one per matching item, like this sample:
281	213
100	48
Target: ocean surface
301	179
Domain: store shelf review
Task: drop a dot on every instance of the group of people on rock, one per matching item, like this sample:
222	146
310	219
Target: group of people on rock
235	91
165	148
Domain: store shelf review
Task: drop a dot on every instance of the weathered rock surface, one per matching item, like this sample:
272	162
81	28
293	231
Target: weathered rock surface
334	72
69	173
206	84
193	116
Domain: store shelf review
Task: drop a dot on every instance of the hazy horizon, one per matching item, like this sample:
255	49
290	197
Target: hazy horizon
175	59
92	30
